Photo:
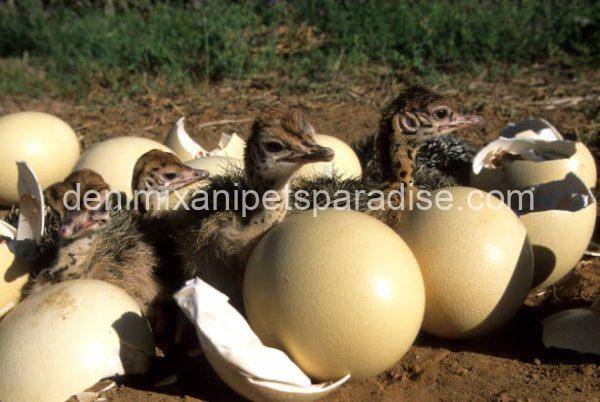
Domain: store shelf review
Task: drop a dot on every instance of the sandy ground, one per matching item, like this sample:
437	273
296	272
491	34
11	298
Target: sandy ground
512	363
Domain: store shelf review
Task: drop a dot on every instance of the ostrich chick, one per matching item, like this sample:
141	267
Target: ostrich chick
412	147
110	246
216	243
155	175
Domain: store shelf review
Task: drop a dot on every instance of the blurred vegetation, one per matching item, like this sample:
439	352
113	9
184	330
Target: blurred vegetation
121	43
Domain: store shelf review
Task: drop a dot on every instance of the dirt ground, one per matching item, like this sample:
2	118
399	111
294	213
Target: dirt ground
510	364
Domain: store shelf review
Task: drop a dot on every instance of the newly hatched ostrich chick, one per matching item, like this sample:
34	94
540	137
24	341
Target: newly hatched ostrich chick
60	196
79	224
110	245
412	150
155	175
216	243
57	198
411	146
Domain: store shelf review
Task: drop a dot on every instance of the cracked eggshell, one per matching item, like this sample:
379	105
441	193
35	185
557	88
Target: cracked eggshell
13	273
345	162
522	173
574	329
476	262
67	337
45	142
181	143
339	293
184	146
115	158
559	235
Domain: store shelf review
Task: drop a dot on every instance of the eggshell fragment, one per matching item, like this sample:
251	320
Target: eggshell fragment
560	227
574	329
44	141
31	205
13	273
67	337
345	163
231	146
475	258
253	370
340	293
115	158
184	146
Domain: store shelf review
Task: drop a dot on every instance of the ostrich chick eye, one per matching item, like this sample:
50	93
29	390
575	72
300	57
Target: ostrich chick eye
170	176
441	113
274	147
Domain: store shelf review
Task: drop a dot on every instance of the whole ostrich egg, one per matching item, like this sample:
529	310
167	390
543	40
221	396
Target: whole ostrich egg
45	142
340	293
345	163
115	158
476	261
67	337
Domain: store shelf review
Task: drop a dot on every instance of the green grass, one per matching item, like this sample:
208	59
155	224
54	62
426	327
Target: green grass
74	45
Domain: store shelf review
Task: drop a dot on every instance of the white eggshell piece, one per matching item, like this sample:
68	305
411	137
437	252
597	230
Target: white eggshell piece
475	258
115	158
45	142
340	293
13	273
345	163
253	370
560	227
31	205
231	146
182	144
575	329
67	337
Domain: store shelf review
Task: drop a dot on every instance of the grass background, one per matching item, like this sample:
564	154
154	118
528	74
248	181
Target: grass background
69	47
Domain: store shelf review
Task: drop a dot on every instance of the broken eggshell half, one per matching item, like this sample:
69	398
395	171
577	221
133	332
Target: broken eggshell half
525	159
253	370
559	217
184	146
574	329
65	338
